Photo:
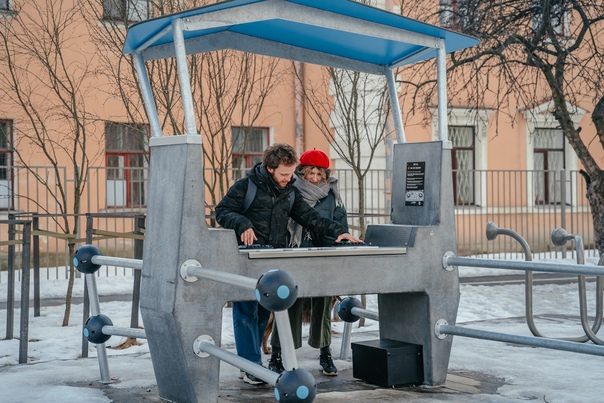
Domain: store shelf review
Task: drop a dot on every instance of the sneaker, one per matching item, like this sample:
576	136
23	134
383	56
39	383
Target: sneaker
241	374
327	365
275	364
252	380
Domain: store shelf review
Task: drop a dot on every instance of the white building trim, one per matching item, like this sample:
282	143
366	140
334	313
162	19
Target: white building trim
542	117
479	119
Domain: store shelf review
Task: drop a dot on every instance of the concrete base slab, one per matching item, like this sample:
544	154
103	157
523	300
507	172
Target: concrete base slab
342	388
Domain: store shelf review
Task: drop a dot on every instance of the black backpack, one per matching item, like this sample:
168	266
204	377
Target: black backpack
251	194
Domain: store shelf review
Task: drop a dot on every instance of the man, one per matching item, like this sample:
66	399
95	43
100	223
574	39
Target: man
264	221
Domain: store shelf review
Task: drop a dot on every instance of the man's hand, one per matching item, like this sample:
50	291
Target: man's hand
248	236
347	237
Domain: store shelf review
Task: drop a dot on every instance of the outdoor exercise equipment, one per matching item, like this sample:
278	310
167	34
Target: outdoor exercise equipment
275	290
336	33
410	264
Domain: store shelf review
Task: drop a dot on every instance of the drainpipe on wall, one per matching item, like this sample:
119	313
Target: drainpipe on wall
299	106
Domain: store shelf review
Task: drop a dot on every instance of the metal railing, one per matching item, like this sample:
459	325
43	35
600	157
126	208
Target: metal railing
350	309
518	199
50	249
532	202
25	243
96	235
559	237
32	189
19	255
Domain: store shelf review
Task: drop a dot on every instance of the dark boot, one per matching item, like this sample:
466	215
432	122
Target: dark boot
326	362
275	364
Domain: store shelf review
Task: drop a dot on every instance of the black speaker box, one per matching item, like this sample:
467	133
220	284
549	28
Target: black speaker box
388	362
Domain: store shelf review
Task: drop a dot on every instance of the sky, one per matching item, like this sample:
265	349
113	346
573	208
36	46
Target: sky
529	373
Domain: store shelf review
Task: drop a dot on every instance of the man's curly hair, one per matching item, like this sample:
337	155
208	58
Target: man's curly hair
278	154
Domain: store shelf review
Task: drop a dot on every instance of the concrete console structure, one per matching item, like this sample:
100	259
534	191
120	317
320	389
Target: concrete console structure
414	289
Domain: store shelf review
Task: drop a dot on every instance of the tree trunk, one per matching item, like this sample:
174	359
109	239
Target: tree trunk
595	184
71	249
364	305
362	225
595	195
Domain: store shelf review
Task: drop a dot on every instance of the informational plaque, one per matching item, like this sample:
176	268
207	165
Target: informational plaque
415	183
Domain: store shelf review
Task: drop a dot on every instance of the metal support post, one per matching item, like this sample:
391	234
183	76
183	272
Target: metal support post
139	226
95	309
25	283
10	294
117	261
360	312
206	344
442	329
36	262
450	260
124	331
395	106
286	339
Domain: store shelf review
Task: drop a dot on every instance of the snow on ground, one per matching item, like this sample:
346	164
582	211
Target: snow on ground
529	373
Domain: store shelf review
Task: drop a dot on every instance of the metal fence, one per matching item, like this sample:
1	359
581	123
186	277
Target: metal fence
33	189
533	203
24	241
51	243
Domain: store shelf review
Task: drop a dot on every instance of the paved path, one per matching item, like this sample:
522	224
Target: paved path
341	388
459	387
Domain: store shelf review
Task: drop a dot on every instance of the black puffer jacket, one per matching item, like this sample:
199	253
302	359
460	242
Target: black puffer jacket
269	211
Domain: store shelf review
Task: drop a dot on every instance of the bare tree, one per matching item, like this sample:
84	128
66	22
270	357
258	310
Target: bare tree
229	89
352	116
353	119
40	77
531	52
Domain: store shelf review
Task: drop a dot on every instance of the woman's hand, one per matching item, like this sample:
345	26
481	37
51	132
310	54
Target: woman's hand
347	237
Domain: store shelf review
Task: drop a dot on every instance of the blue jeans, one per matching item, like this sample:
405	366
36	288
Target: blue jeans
249	322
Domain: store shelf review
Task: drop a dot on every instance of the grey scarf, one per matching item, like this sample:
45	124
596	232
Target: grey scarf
311	194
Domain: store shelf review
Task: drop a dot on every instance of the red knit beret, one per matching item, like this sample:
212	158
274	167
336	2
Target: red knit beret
315	158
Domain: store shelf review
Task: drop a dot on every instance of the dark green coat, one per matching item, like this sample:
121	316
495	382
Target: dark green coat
269	211
326	207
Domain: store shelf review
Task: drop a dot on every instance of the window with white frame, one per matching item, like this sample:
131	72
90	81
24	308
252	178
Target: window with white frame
549	156
6	163
462	161
126	159
556	12
249	144
126	10
467	131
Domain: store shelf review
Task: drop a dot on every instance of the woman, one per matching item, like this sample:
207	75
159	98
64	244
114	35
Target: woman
321	192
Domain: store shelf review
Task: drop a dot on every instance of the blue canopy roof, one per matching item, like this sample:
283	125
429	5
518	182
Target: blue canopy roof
337	33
